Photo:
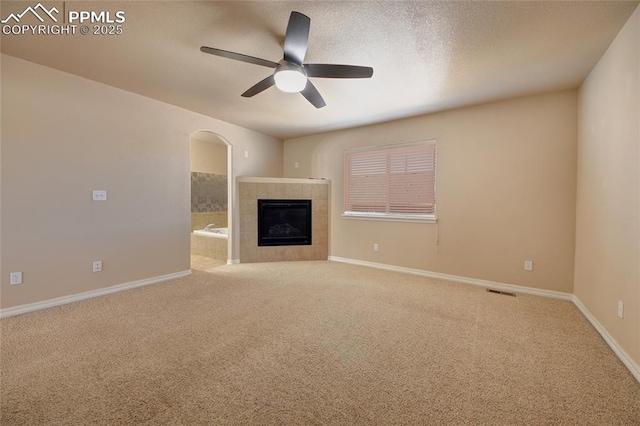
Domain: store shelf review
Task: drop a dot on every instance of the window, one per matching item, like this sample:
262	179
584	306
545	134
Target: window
391	182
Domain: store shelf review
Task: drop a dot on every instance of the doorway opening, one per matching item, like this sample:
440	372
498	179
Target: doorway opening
210	200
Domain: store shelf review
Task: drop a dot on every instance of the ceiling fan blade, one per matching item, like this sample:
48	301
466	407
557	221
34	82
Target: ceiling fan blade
296	38
260	87
311	93
238	57
337	71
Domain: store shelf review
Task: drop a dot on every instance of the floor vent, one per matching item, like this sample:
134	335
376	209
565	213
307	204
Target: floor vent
505	293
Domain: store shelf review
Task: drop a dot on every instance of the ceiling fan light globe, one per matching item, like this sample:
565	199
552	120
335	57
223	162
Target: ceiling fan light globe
290	81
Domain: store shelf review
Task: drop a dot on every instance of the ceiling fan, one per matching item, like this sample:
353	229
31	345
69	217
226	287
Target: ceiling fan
291	74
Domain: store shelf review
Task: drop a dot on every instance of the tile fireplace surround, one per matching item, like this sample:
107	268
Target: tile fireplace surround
251	189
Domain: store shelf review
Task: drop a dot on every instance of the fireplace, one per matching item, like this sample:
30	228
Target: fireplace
284	222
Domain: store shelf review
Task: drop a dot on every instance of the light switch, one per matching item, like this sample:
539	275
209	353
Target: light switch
99	195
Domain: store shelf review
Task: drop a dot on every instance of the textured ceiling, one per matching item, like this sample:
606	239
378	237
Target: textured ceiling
427	56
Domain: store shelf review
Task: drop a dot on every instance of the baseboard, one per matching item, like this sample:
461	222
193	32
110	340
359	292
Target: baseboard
31	307
233	261
473	281
617	349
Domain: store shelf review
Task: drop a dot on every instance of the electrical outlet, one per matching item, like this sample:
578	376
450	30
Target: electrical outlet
375	247
620	309
246	154
16	278
97	266
296	165
528	265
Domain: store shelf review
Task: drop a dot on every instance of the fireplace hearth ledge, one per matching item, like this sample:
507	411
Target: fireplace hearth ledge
312	181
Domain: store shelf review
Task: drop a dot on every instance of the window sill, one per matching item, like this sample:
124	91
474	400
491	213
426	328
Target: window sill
390	217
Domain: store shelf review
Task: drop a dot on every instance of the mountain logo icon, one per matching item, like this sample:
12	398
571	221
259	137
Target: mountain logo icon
34	11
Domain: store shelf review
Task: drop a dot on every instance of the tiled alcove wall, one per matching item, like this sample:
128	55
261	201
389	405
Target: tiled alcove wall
208	200
252	189
208	206
202	219
208	192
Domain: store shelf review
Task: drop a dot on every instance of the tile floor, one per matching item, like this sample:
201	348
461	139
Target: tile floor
204	263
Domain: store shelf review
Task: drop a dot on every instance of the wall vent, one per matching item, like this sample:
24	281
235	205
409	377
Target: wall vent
505	293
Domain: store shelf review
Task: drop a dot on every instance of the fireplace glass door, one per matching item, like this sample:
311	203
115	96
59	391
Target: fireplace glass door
284	222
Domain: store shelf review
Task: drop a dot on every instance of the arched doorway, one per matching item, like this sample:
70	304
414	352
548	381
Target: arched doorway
211	200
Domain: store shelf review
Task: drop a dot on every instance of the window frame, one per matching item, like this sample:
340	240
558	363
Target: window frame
398	217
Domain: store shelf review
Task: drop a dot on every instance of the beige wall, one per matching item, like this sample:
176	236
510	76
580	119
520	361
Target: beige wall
62	137
506	192
208	156
608	212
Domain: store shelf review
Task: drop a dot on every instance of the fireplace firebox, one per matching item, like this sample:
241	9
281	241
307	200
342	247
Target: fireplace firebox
284	222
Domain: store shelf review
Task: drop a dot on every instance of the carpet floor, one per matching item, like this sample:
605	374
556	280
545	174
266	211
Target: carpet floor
311	343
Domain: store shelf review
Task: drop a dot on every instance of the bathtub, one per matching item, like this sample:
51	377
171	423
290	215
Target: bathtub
214	233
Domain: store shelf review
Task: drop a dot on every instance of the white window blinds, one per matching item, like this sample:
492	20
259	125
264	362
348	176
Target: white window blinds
391	180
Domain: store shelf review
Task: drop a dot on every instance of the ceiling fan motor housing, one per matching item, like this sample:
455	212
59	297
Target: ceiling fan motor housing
290	77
